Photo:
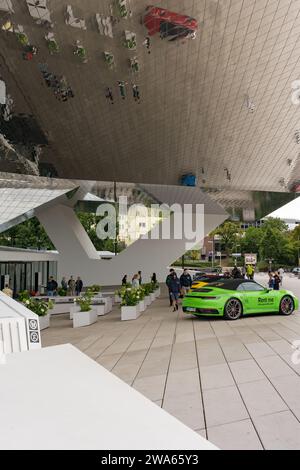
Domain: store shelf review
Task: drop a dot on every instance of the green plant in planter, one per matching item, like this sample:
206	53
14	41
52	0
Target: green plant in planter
80	51
122	8
23	39
53	46
141	292
23	296
39	307
130	297
109	59
84	302
61	292
134	65
94	289
130	43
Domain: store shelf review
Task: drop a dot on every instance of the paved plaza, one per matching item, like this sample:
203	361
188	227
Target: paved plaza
233	382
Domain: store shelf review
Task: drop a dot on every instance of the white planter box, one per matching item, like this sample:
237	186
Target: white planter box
44	322
118	299
152	297
74	309
100	309
84	318
147	300
142	306
108	304
130	313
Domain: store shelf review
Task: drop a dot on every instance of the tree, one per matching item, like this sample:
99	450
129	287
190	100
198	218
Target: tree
229	233
251	241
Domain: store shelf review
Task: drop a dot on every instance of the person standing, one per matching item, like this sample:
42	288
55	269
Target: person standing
250	272
51	287
185	282
7	291
124	280
78	286
64	284
140	277
174	290
154	278
71	286
281	274
276	281
135	281
271	281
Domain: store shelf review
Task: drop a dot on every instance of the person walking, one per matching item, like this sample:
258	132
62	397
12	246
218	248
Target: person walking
71	286
174	290
185	282
78	286
168	282
140	277
7	291
135	281
154	278
124	280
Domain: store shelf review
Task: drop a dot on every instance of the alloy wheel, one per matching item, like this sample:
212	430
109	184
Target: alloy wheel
287	305
233	309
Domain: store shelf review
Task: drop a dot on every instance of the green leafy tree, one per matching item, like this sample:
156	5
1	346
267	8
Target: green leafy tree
251	240
229	233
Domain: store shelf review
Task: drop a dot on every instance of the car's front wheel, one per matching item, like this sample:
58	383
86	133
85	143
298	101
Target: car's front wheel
287	305
233	309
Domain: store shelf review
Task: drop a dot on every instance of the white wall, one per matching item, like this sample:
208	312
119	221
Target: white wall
78	257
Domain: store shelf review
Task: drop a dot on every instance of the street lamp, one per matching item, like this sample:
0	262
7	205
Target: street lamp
213	251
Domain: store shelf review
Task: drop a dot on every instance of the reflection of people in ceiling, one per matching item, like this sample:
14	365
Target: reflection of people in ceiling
122	88
136	92
109	95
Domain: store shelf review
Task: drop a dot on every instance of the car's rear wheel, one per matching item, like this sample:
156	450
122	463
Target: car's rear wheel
287	305
233	309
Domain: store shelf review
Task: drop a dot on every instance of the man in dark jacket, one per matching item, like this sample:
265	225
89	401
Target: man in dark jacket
174	289
185	282
78	286
168	281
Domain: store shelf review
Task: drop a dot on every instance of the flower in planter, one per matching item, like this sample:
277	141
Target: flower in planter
23	39
39	307
109	59
84	302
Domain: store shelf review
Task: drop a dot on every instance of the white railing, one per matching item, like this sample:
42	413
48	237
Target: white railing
19	327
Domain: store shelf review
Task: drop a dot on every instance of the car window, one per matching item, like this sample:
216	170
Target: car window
251	287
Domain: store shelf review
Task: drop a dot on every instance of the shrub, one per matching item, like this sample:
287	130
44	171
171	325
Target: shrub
39	307
84	302
130	297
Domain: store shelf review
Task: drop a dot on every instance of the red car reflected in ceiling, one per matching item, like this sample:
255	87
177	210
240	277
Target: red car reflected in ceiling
170	25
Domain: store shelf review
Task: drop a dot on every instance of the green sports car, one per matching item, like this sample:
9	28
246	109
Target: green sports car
233	298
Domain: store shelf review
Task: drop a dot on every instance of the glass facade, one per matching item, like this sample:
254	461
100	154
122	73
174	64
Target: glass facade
31	276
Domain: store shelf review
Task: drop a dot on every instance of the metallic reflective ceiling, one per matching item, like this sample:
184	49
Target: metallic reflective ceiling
219	105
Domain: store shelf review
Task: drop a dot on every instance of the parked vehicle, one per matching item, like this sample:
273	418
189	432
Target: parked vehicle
296	271
234	298
169	24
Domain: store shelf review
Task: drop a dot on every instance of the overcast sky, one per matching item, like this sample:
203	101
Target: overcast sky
290	211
